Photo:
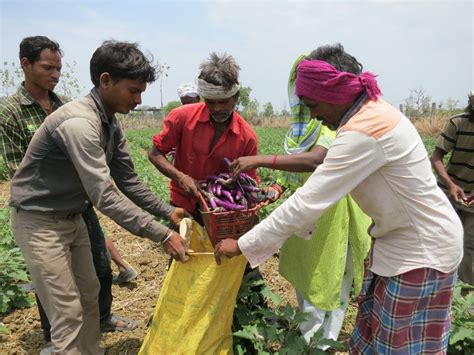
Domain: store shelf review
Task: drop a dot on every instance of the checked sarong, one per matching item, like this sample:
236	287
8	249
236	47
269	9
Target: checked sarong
404	314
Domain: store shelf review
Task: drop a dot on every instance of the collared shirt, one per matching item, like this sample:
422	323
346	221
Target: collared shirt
71	162
458	137
378	157
190	130
20	117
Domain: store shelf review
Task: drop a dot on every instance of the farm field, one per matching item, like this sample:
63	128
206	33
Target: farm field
137	299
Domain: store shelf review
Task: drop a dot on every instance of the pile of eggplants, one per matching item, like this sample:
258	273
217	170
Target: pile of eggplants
228	192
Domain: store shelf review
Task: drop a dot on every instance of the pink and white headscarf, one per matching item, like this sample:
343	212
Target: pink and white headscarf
320	81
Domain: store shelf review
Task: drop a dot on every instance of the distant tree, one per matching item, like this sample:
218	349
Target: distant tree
244	98
252	109
68	83
418	103
268	109
451	104
162	72
285	113
11	76
247	106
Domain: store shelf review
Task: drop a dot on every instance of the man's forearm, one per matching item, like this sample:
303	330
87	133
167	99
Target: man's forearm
439	168
442	173
164	166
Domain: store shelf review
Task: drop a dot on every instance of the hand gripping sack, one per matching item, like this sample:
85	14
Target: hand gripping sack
195	306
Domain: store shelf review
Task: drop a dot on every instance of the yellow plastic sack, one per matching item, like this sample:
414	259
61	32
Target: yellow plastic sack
194	311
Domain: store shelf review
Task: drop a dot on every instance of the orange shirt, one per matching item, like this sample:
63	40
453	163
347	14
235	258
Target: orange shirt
190	130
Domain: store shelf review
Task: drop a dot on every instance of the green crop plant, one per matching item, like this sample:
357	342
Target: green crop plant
12	270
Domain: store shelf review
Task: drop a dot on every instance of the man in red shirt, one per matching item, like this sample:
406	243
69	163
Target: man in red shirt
204	133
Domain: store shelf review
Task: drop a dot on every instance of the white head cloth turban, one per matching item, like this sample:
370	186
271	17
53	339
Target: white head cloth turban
215	92
188	89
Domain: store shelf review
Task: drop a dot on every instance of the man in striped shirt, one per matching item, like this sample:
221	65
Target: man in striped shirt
457	179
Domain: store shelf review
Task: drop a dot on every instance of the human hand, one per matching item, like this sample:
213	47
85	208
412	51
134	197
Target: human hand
189	185
468	200
273	192
243	164
226	247
176	248
455	193
178	214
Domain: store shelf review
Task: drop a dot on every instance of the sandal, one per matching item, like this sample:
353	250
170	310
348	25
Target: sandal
111	324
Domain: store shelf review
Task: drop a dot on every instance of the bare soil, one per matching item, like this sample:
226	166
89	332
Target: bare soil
135	300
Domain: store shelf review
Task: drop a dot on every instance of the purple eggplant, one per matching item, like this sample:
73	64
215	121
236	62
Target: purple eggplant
228	205
226	194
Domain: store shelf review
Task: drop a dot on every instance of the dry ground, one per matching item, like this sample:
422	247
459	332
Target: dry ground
135	300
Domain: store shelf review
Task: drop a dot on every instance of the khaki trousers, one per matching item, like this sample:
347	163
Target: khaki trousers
58	256
466	269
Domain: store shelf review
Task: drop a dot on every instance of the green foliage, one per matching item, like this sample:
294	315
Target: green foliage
270	143
169	106
244	98
3	170
68	85
461	340
261	329
3	329
140	142
268	109
11	76
420	105
12	269
246	106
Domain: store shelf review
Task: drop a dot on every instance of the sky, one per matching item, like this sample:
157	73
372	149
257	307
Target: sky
410	45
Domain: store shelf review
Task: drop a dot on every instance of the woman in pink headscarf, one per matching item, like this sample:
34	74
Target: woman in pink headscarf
379	158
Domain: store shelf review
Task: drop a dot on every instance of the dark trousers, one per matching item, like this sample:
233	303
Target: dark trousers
103	270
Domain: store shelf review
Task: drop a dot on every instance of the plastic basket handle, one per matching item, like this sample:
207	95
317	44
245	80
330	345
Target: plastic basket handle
203	203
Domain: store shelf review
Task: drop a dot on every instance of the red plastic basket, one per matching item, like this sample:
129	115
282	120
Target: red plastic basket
232	224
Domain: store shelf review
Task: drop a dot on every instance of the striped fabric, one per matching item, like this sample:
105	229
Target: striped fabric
458	138
20	117
404	314
303	132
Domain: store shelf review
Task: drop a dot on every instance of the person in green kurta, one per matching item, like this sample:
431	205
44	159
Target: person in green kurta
327	267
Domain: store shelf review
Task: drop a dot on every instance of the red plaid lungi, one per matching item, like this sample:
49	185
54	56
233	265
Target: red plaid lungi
404	314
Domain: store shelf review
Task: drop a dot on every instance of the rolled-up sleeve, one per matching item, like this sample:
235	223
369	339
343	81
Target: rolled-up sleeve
351	158
170	136
81	140
447	139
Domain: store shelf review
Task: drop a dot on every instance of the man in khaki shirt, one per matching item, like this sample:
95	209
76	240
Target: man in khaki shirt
72	161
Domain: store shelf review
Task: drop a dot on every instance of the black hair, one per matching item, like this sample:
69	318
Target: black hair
220	70
122	60
31	47
337	57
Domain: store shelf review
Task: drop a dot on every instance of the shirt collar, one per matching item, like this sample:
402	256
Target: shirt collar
98	102
26	99
361	100
234	125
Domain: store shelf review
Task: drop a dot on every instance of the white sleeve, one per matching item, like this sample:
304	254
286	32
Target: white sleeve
351	158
